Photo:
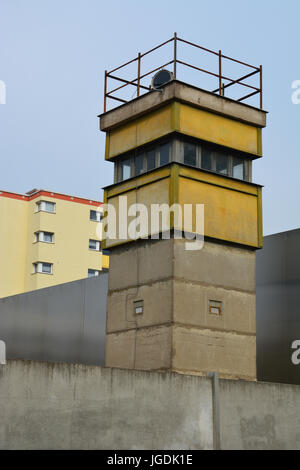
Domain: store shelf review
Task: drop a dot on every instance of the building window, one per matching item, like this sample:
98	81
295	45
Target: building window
125	169
206	160
190	154
93	272
139	164
222	163
43	268
238	168
45	206
215	307
138	307
105	252
46	237
164	154
150	157
188	151
96	216
94	245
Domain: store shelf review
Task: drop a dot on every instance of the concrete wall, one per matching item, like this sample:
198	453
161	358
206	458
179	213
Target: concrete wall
59	406
259	415
64	406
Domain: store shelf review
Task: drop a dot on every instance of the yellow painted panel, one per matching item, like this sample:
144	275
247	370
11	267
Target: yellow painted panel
141	131
105	262
231	207
219	129
218	180
141	180
228	215
157	192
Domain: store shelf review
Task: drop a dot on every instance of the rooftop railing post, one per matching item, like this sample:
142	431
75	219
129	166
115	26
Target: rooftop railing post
139	75
220	72
105	89
175	55
261	86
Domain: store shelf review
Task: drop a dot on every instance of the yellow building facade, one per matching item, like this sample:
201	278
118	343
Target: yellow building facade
48	238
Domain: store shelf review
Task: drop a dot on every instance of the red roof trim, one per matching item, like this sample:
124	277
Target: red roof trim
50	194
13	195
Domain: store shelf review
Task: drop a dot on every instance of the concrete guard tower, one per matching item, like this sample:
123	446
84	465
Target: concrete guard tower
168	308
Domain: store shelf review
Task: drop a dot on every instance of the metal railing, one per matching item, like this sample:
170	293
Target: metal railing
136	82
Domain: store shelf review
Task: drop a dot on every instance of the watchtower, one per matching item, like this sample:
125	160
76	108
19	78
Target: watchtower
169	308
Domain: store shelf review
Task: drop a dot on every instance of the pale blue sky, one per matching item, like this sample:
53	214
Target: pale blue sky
52	58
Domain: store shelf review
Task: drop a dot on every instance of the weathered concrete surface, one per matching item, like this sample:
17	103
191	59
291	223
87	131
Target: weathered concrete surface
241	305
216	264
143	349
65	406
60	406
187	94
199	350
259	415
148	262
176	330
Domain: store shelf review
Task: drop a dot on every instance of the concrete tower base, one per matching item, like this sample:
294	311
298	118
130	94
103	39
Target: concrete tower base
198	308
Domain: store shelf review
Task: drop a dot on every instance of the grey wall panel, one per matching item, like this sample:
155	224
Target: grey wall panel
278	307
64	323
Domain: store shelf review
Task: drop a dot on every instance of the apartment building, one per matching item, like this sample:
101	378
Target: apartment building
48	238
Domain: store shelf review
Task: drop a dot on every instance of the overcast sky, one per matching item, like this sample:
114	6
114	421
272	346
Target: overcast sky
52	59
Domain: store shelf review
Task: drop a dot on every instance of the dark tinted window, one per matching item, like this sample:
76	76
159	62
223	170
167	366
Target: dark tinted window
189	154
222	163
150	159
164	154
139	164
206	159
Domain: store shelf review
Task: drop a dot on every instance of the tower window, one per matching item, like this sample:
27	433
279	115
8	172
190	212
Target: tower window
222	163
190	154
139	164
164	153
238	168
206	162
150	156
125	169
215	307
138	307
